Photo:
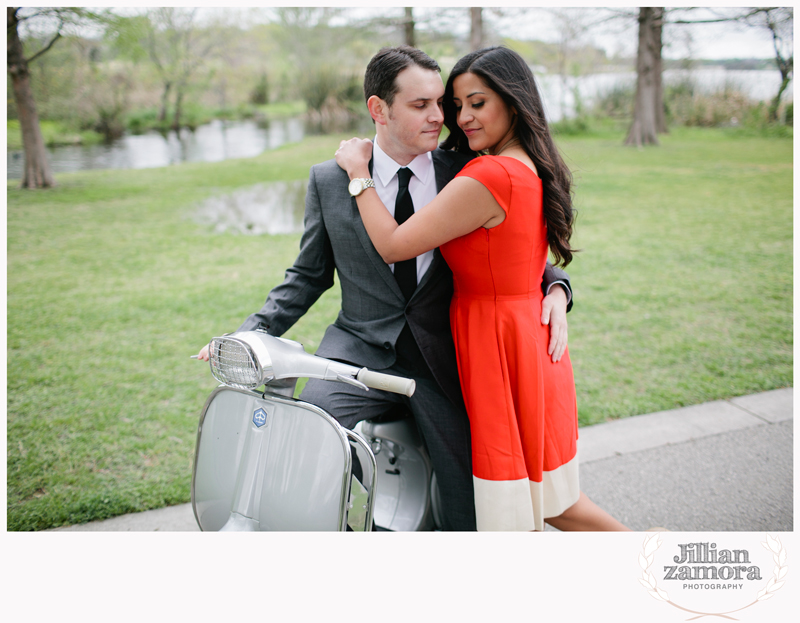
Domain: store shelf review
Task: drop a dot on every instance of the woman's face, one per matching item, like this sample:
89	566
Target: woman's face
481	113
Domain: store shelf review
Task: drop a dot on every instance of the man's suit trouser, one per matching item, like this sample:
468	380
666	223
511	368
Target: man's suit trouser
444	427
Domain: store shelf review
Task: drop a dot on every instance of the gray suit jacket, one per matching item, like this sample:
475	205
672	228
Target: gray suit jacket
374	310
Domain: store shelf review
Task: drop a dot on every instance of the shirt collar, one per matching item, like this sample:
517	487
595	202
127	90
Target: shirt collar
385	168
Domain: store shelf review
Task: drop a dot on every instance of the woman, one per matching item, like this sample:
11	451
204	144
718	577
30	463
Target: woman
494	223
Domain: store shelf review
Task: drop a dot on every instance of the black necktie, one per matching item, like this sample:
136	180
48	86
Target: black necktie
406	271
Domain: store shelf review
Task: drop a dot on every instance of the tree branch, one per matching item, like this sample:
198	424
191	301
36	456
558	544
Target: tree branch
46	48
734	18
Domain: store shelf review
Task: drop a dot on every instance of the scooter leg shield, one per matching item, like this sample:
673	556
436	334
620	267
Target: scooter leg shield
402	499
269	463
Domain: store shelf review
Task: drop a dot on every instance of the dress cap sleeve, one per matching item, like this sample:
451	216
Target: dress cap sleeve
492	174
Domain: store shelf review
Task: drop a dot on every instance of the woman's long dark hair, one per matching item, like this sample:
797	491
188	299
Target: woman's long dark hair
504	71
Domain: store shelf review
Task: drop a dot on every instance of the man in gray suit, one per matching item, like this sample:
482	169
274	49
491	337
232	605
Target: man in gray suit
379	326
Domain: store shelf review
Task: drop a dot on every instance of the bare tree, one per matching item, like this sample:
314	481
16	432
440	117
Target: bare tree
658	73
779	21
476	29
177	46
649	102
308	36
574	57
37	168
408	26
178	49
57	21
649	117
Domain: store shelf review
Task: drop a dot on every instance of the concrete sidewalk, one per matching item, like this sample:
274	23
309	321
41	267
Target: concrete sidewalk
725	465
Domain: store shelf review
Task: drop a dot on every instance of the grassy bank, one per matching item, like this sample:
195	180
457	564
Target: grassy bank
683	295
54	134
194	115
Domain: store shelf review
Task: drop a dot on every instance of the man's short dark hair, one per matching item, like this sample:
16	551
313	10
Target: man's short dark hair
381	76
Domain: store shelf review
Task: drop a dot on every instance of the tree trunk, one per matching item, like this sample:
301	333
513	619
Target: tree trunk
408	26
176	122
37	168
785	66
776	102
476	32
661	112
649	97
162	115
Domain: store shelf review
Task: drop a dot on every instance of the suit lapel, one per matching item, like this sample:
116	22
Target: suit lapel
444	173
437	264
444	170
381	267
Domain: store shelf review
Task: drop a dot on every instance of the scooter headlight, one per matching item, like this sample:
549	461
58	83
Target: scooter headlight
235	361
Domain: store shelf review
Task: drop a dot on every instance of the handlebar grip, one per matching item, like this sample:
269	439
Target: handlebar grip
387	382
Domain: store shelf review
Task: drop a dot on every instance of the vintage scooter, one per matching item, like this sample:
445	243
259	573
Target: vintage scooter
266	461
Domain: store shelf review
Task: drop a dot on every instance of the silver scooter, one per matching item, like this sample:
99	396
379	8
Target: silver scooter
265	461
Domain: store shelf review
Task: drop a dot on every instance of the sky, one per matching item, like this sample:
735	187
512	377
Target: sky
619	37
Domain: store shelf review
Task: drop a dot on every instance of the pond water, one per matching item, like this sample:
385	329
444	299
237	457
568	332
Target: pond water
269	208
221	140
560	102
213	142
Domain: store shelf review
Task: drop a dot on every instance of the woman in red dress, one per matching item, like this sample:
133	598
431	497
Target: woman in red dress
495	223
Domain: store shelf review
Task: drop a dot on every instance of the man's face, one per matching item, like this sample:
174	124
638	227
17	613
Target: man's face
414	120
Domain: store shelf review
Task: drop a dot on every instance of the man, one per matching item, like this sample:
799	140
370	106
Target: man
379	326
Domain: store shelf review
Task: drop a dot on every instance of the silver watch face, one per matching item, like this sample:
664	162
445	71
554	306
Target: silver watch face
356	187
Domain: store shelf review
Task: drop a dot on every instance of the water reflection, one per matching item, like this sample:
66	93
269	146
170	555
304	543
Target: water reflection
269	208
213	142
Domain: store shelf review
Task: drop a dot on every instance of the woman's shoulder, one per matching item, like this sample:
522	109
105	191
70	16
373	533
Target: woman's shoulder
506	167
490	166
493	175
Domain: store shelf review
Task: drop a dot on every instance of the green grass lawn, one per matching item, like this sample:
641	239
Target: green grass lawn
684	286
683	295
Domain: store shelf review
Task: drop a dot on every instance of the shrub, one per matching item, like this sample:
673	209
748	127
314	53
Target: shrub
687	107
350	94
571	127
194	115
616	103
139	121
319	85
260	93
757	122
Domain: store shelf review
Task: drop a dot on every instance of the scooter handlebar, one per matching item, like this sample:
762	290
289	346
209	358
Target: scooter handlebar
386	382
249	358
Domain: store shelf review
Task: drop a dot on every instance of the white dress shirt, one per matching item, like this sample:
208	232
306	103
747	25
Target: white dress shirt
422	187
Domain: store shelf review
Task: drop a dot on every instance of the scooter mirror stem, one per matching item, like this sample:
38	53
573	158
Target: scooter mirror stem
349	379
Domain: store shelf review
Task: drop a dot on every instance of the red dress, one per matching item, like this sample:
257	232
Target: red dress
521	406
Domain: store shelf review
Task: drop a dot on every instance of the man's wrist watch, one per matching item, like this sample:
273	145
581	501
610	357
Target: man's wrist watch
359	185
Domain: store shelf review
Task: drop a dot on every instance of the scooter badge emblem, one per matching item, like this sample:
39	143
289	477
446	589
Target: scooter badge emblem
259	417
